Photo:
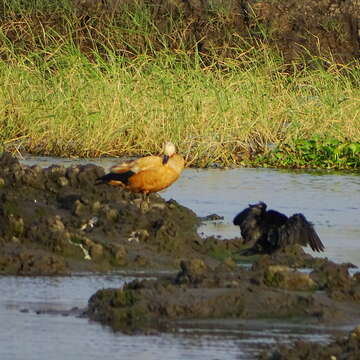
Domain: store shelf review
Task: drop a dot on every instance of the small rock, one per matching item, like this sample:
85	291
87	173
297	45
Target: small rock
283	277
63	181
55	224
141	260
96	206
112	214
120	254
193	270
160	206
212	217
96	251
79	208
356	332
139	235
16	224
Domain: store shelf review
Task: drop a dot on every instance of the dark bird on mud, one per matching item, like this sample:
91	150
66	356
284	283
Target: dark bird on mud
270	230
147	174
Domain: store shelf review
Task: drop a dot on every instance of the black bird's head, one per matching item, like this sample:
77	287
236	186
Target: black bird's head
254	211
258	208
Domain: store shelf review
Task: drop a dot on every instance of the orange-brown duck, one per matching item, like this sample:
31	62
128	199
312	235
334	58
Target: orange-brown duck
147	174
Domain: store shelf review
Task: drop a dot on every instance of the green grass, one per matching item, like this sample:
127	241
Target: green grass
112	99
73	107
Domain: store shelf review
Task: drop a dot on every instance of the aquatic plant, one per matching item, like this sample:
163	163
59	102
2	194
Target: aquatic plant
317	152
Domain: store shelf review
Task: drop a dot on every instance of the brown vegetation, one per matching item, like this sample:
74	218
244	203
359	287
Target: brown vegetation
214	28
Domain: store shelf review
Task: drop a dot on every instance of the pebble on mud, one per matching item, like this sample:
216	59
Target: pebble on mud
283	277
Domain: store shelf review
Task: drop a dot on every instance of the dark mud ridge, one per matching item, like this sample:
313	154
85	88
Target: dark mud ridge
327	295
57	221
341	349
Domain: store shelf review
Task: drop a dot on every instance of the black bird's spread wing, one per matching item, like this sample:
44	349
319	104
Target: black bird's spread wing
242	216
275	218
123	177
297	230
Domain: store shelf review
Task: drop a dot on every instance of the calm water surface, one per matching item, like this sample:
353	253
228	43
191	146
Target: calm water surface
330	201
24	334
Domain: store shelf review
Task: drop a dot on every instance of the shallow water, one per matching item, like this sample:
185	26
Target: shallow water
26	334
330	201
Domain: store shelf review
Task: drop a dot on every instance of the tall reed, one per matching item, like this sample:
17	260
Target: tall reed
58	99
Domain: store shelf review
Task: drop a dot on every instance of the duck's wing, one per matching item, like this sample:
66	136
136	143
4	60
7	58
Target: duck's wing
141	164
123	167
297	230
120	174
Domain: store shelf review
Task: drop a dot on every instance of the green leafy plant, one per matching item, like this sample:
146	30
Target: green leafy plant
316	152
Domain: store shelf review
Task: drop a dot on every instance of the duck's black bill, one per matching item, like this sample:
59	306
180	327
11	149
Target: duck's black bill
165	159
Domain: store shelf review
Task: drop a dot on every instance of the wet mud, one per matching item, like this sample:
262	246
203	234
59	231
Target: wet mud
57	221
344	348
199	291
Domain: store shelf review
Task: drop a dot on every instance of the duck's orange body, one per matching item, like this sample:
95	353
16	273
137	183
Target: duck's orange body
148	174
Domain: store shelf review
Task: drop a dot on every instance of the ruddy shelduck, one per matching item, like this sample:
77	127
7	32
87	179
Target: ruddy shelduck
147	174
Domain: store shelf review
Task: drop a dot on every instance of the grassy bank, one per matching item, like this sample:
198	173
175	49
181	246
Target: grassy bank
57	100
118	108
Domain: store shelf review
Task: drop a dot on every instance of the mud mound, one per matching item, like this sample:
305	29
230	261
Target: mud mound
293	256
337	282
340	349
200	291
55	220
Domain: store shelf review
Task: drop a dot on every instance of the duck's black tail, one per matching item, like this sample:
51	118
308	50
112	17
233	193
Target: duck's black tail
122	177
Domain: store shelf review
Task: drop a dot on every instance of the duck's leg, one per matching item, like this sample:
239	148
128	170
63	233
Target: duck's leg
145	197
145	204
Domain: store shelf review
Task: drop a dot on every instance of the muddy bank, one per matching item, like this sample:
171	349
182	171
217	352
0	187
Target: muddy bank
347	348
215	29
57	221
199	291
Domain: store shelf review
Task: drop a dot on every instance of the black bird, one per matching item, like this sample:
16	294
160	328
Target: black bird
270	230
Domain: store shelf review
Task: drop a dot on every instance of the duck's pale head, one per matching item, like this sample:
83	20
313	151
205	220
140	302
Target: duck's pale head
169	150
